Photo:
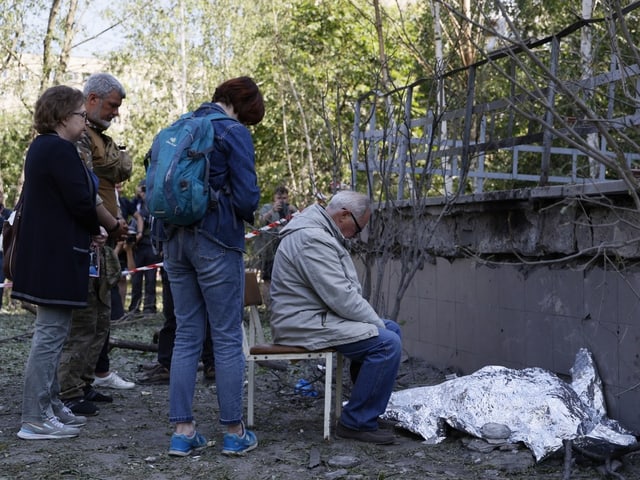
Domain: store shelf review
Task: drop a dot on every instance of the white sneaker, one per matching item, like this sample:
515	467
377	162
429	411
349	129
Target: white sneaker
113	380
51	428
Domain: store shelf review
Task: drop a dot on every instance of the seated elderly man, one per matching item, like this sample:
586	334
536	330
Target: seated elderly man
317	303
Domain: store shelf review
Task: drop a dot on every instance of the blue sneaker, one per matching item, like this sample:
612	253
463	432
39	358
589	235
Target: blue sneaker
236	445
181	445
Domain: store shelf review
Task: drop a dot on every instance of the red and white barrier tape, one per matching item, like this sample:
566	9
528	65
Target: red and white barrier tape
153	266
277	223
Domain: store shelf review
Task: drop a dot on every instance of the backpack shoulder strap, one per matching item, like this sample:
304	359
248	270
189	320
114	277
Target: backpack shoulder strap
211	117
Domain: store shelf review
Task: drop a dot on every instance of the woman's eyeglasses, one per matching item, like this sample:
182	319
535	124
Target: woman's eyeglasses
82	114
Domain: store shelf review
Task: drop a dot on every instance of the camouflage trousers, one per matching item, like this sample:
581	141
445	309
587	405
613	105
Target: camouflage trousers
89	331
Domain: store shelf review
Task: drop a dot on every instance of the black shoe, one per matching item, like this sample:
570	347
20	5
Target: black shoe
93	395
80	406
379	437
387	424
145	367
158	375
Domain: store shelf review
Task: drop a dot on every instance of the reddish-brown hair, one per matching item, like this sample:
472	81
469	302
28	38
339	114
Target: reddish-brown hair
243	94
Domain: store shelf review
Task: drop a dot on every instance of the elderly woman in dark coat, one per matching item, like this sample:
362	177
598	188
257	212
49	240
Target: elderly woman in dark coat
59	222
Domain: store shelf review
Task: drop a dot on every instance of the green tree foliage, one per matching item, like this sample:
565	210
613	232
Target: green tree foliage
16	36
173	55
321	57
311	60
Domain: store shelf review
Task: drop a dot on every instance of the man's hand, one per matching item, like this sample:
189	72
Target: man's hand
119	231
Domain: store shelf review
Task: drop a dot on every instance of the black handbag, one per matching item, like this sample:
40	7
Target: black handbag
10	233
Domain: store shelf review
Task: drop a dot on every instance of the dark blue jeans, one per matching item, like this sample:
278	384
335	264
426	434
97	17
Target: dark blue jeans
167	334
144	256
380	359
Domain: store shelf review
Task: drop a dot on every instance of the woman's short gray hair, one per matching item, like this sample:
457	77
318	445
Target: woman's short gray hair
357	203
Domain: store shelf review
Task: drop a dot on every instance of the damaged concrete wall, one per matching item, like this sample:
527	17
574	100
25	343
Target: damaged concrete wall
526	279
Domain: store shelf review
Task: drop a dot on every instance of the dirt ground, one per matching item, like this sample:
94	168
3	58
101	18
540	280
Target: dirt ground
130	437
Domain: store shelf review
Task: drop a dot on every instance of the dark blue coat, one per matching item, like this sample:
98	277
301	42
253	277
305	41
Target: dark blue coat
58	218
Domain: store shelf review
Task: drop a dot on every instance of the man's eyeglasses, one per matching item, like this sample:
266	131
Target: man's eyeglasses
358	227
82	114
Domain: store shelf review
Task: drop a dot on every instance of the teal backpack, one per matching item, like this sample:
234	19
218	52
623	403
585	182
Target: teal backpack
178	190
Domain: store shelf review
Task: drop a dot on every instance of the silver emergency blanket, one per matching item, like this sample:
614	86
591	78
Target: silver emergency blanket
532	405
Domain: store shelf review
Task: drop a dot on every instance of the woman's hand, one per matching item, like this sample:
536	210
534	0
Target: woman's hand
99	240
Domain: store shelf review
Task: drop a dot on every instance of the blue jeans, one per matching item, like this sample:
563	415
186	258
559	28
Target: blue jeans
206	278
41	388
380	359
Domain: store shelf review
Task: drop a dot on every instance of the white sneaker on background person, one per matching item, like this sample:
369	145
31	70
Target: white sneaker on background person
113	380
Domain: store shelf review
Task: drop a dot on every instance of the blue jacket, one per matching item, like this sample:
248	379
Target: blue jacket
232	172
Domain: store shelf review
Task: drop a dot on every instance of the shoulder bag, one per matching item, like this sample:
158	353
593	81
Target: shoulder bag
10	232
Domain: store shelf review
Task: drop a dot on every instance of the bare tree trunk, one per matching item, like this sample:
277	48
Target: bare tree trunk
384	64
466	45
294	185
441	101
305	128
183	56
51	72
46	50
69	34
132	345
285	135
586	61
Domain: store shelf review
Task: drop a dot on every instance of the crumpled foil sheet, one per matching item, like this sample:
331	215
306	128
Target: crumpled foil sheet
539	409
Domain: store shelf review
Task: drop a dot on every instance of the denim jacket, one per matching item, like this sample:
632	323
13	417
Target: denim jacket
232	172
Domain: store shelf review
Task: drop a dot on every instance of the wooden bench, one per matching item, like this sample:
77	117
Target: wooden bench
257	350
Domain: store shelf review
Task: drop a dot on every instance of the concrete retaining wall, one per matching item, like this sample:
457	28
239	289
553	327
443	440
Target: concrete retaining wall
466	312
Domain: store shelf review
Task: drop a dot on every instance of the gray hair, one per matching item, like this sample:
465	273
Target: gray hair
355	202
102	84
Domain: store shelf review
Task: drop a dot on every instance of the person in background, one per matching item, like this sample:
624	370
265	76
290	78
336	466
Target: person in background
144	254
126	207
206	272
267	243
52	270
317	303
279	209
158	372
79	379
4	215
